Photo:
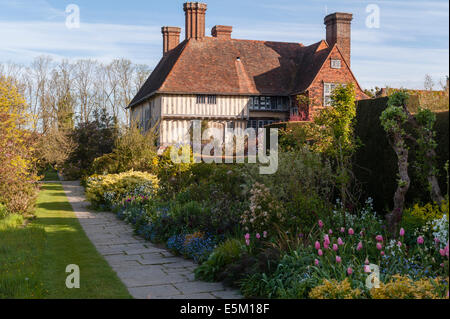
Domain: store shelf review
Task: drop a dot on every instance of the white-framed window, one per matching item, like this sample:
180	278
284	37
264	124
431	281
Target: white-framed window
335	64
328	89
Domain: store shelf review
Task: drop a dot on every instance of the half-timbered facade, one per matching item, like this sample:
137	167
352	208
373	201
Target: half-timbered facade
234	83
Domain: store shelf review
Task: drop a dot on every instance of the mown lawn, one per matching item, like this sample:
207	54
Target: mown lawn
50	175
33	259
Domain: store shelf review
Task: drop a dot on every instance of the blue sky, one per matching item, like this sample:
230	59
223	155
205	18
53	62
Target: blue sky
413	38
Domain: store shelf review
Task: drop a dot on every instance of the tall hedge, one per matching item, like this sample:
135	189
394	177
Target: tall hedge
375	163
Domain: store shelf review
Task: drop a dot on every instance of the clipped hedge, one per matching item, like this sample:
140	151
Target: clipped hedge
375	163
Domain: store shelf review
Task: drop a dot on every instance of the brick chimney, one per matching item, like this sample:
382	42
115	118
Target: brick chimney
195	19
171	38
339	31
222	31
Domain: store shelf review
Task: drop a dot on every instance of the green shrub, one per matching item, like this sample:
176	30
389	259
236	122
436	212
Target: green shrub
225	254
108	190
419	215
3	211
292	279
132	151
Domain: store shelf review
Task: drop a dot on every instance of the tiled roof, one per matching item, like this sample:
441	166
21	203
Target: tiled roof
223	66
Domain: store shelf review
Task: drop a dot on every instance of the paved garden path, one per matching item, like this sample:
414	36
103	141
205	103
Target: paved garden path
147	271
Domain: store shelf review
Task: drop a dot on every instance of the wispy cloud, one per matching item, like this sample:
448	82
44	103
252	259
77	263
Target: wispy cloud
413	39
98	41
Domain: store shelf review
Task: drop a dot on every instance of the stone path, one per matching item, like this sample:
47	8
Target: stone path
147	271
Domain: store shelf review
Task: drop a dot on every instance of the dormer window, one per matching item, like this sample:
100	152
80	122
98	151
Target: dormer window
335	64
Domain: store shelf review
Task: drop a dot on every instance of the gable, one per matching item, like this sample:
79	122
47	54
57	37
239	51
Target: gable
327	74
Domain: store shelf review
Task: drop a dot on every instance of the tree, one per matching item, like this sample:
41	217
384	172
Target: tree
336	135
393	120
17	174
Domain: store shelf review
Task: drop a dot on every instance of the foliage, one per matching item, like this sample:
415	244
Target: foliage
3	211
17	172
402	287
335	290
225	254
173	175
197	246
335	137
264	210
133	150
54	148
419	215
109	190
93	139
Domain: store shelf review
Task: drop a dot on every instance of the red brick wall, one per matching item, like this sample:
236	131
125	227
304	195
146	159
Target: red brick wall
329	75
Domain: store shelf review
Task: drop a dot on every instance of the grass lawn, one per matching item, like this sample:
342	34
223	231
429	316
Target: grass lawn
50	174
33	259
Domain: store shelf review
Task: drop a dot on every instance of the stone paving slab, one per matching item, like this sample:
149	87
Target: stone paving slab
147	271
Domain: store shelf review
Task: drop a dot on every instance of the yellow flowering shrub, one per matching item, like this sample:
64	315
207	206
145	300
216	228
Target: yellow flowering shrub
403	287
17	174
112	188
335	290
427	212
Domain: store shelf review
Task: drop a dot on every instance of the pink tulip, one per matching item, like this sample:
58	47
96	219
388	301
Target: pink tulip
326	245
321	224
320	252
247	236
382	253
265	234
367	269
326	239
351	232
349	271
258	236
317	245
330	232
342	230
361	233
338	259
399	244
442	252
366	261
247	242
379	246
402	232
420	240
340	241
316	262
335	247
359	247
379	238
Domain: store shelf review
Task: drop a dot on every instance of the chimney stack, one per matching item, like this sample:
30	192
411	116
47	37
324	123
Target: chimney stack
171	38
222	31
339	31
195	19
